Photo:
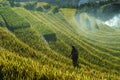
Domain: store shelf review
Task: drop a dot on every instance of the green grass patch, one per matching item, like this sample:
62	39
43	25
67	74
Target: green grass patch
12	20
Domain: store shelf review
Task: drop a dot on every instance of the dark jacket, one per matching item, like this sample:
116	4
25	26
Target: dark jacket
74	54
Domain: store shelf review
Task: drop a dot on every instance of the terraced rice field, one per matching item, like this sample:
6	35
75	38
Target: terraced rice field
98	45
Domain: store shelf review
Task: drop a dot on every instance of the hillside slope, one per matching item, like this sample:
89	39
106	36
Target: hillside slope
27	53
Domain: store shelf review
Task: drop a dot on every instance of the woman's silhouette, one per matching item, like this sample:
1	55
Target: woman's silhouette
74	56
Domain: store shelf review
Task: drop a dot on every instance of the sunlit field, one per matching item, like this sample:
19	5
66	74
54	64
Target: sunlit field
36	40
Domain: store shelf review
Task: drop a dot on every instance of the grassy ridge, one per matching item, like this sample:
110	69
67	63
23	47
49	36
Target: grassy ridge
12	64
12	20
11	43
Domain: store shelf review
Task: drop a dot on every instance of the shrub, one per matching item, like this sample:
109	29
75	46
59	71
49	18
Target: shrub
40	9
17	4
56	10
47	7
2	23
30	6
5	3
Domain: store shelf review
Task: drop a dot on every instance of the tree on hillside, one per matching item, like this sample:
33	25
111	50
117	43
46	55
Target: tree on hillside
12	2
55	10
31	6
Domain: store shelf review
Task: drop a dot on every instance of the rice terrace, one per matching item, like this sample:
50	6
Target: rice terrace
59	39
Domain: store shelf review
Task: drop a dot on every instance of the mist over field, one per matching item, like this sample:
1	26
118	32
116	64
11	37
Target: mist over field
114	22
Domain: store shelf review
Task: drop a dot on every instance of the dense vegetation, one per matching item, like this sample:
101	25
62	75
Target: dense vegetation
25	53
12	20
